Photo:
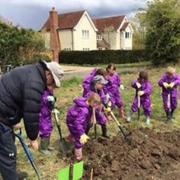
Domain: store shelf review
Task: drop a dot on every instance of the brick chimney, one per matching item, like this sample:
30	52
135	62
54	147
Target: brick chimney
54	35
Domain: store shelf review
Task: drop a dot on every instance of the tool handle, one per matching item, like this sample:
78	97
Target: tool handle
139	101
169	101
95	131
58	126
92	172
117	122
27	152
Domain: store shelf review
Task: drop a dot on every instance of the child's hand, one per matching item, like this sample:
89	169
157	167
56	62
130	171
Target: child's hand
121	87
107	110
84	138
51	99
171	85
17	126
165	84
140	93
138	85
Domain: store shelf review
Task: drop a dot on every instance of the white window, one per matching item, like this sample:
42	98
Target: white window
85	49
99	37
127	35
85	34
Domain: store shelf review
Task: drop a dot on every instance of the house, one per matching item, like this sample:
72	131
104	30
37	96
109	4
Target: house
114	33
76	31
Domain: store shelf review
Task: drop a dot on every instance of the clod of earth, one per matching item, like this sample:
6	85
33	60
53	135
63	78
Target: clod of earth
150	155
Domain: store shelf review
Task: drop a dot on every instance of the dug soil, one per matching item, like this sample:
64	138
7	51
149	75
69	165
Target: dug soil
147	155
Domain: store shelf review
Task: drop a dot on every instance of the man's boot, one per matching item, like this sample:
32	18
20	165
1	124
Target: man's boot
104	131
44	146
22	175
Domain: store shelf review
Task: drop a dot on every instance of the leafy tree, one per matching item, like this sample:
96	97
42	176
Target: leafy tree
139	27
163	31
18	45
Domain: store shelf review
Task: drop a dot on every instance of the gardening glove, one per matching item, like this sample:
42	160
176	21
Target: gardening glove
165	84
121	87
107	110
84	138
171	85
140	93
138	85
51	99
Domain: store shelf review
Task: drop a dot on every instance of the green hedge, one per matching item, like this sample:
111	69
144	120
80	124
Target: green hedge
102	57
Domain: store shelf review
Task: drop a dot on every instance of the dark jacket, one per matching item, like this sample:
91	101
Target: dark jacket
20	97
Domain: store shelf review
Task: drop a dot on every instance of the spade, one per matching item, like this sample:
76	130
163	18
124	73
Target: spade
64	146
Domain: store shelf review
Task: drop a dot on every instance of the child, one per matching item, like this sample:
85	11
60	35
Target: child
80	119
88	80
143	96
112	88
169	83
45	127
97	86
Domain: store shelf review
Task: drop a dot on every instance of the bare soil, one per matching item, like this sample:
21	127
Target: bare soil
149	155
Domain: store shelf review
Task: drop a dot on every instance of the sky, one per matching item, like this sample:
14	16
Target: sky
33	13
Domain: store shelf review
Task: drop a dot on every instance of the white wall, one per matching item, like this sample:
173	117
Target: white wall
126	43
79	42
66	39
111	38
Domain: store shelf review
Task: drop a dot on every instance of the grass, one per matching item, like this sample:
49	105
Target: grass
72	89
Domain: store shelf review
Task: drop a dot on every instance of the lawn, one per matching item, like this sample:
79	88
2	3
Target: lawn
72	89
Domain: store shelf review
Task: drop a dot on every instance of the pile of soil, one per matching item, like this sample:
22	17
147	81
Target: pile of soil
149	155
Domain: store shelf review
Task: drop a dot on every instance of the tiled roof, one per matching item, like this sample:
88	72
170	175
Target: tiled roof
125	25
66	21
103	23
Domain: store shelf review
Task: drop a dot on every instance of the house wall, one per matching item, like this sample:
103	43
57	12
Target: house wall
46	36
126	43
66	39
81	43
73	39
111	38
118	40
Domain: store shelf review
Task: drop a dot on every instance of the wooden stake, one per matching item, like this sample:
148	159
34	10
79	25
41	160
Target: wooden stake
91	178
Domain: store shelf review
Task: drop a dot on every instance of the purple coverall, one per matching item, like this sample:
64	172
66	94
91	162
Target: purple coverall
45	126
87	82
145	100
102	118
79	119
112	88
173	92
